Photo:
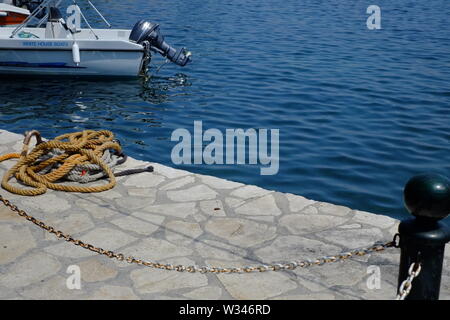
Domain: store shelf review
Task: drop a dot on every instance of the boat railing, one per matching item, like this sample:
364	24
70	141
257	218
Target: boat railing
45	17
86	21
25	23
47	3
99	13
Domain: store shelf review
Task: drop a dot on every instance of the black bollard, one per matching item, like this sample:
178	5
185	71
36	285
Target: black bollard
423	238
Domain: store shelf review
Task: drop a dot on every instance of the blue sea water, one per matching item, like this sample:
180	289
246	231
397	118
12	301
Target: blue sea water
359	111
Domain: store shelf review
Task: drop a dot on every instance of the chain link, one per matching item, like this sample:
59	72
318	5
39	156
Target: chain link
377	247
406	286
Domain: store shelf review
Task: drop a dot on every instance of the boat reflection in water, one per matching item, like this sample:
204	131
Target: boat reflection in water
55	106
44	91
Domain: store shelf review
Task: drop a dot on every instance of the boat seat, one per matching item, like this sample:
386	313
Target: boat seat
56	27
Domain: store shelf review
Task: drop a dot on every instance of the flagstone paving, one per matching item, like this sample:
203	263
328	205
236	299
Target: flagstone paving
174	216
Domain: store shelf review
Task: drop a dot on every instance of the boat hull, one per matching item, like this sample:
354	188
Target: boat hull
60	62
33	53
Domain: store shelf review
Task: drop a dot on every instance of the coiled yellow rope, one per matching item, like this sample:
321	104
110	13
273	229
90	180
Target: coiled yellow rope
79	148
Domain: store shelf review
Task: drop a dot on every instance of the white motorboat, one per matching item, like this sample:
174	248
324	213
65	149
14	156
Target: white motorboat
62	48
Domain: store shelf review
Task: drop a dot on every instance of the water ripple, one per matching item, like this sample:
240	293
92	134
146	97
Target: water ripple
359	111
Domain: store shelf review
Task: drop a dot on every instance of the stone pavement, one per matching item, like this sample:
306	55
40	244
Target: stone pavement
177	217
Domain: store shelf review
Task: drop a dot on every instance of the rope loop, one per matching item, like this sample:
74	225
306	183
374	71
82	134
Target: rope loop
82	157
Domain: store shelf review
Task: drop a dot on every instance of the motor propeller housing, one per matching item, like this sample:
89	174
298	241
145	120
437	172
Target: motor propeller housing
148	31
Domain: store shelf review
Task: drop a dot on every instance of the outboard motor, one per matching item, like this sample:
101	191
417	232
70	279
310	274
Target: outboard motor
147	31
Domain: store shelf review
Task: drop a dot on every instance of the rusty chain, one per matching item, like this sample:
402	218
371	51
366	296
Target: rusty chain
377	247
406	286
